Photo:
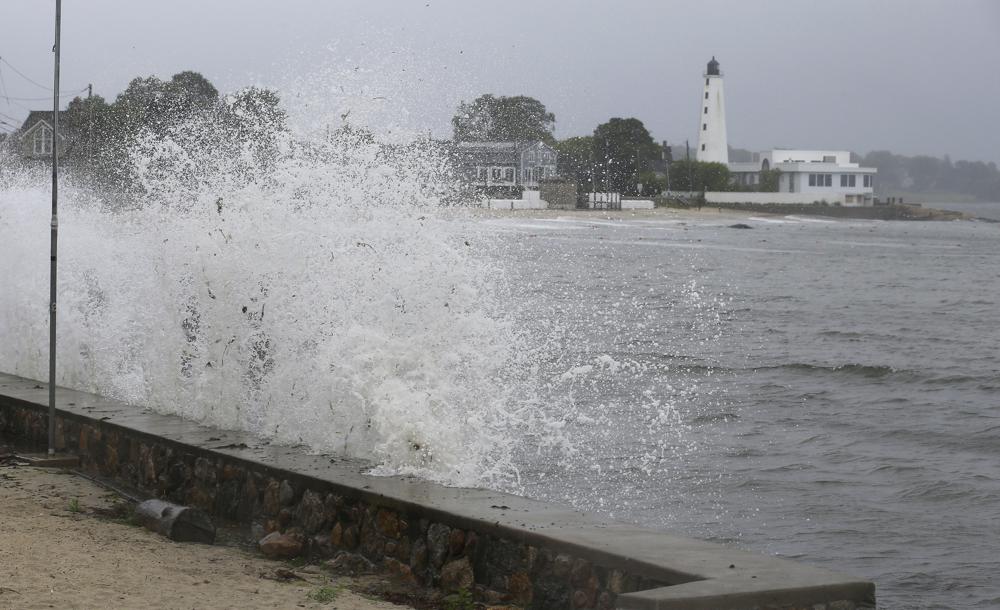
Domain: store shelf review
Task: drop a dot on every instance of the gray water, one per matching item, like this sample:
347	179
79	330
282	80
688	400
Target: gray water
833	386
979	209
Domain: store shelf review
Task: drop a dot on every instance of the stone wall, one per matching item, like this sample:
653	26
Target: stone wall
325	520
505	549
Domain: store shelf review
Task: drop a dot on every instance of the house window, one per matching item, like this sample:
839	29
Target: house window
820	179
848	180
868	181
706	95
706	110
703	147
704	126
706	82
481	173
509	174
497	174
42	141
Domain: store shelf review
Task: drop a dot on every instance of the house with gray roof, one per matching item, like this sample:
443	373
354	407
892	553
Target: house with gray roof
504	167
33	141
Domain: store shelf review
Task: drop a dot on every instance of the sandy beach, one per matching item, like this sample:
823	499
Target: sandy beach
57	550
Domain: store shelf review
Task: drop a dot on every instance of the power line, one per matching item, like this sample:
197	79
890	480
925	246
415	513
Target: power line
27	78
18	104
39	99
24	76
3	86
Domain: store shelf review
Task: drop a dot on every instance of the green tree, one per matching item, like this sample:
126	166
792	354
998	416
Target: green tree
253	120
95	133
191	90
576	160
491	118
769	180
698	176
156	105
652	185
623	149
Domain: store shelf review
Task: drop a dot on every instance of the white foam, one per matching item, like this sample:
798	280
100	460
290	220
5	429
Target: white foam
323	300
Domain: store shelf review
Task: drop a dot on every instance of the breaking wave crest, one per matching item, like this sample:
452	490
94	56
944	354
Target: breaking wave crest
317	291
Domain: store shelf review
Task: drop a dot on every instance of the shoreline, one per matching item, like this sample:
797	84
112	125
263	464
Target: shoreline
904	213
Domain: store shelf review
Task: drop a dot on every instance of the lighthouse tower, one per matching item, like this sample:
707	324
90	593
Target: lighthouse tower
712	143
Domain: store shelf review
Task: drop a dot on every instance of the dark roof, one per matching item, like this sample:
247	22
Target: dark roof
34	116
713	67
498	153
46	115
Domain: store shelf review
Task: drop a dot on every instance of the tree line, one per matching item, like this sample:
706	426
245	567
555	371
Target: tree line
103	137
622	156
933	176
619	156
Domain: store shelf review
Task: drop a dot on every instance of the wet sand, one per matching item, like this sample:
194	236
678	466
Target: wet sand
57	551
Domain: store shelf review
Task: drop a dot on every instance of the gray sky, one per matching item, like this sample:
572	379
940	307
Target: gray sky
912	76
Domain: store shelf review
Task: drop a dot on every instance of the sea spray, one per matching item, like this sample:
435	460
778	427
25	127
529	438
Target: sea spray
318	298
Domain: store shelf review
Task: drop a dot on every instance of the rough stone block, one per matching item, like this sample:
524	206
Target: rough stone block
281	546
456	575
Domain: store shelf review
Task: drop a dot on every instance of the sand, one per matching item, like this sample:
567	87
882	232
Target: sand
55	553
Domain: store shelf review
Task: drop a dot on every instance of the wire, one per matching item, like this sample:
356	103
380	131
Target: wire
19	105
30	80
3	86
39	99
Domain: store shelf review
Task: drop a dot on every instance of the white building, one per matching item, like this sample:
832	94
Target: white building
806	176
712	143
818	175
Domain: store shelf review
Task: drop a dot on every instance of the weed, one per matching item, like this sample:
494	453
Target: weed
74	506
326	594
459	601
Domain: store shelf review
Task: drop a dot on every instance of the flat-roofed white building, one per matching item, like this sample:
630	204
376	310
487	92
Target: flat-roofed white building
819	175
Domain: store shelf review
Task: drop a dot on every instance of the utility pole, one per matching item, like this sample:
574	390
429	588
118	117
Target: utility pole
55	237
90	127
687	152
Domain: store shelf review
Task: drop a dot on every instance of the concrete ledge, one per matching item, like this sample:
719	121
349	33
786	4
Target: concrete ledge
511	548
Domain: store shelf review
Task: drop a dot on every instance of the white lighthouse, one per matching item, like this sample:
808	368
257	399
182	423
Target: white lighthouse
712	143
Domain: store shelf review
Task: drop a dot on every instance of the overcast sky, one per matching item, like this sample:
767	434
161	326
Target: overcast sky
912	76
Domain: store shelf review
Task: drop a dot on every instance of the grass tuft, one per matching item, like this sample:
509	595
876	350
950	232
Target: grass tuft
326	594
459	601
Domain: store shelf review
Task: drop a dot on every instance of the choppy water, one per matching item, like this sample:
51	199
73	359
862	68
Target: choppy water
836	388
987	210
816	389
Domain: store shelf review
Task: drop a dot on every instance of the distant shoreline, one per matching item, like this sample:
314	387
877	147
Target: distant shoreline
906	213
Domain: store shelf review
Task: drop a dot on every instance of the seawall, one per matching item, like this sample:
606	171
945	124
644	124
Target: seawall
505	547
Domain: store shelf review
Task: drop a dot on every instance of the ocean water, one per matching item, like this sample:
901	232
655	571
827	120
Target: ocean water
832	388
980	209
823	390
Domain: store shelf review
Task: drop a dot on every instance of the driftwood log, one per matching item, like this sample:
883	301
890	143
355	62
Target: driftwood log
179	523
